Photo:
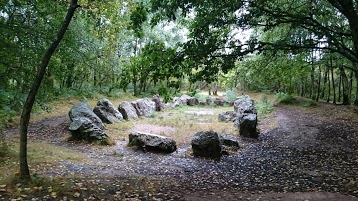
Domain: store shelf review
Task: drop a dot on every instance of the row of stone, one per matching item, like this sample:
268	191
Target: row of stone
204	144
191	101
87	124
244	116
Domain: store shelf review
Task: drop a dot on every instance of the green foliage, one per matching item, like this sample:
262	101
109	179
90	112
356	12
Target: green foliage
231	95
309	103
264	107
285	98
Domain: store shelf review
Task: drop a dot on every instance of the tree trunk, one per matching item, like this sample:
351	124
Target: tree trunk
339	88
333	85
345	86
356	97
26	111
350	84
329	87
324	82
319	83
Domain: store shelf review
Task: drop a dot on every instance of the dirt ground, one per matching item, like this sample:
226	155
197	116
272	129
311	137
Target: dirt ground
311	155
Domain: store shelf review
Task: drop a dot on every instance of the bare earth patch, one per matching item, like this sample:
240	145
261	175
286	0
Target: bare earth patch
154	129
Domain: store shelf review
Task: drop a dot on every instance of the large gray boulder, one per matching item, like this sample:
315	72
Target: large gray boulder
206	144
247	122
107	112
127	110
82	109
244	104
227	116
144	107
152	142
86	125
159	106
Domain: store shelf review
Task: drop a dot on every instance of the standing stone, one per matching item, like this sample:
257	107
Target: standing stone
184	99
106	111
206	144
244	104
247	124
86	125
158	103
127	110
144	107
82	109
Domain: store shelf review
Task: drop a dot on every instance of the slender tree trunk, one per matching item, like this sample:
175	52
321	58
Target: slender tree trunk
350	84
345	86
319	83
329	87
324	82
333	85
26	111
356	97
339	88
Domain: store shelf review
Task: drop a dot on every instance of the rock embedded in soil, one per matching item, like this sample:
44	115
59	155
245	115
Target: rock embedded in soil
219	101
206	144
107	112
247	124
227	116
152	142
244	104
229	140
127	110
144	107
86	125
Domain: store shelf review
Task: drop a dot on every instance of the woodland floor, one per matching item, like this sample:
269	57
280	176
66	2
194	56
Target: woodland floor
312	154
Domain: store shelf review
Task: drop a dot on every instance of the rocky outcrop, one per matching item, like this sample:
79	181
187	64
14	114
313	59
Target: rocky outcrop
144	107
127	110
152	142
227	116
159	106
206	144
106	111
86	125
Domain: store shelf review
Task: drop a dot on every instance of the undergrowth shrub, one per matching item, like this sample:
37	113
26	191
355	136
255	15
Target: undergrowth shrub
285	98
231	95
264	107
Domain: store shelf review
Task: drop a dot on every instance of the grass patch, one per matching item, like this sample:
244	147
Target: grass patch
285	98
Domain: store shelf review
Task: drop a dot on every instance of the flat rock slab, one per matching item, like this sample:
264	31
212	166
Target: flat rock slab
152	142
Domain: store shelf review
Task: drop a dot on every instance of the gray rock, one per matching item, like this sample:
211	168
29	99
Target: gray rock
152	142
244	104
158	103
176	102
247	124
85	124
229	140
184	99
208	101
82	109
144	107
206	144
83	128
192	101
219	101
106	111
227	116
127	110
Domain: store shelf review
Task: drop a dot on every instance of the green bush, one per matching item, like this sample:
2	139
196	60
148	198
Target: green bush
285	98
309	103
264	107
231	95
5	150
